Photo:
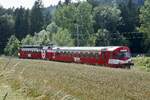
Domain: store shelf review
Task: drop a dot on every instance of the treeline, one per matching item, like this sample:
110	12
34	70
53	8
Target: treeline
85	23
21	22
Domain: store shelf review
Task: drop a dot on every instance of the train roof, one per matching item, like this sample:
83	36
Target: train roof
108	48
31	46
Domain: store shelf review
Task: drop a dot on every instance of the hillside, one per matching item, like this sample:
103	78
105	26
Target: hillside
46	80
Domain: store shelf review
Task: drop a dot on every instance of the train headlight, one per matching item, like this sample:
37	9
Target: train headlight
18	54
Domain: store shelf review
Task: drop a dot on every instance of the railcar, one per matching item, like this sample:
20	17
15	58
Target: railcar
33	52
111	56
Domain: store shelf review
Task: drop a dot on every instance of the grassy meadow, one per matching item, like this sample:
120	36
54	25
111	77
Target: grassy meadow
46	80
142	63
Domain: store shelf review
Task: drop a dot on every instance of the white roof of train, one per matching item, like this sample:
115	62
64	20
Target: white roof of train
108	48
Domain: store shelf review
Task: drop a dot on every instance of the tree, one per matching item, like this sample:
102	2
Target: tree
52	28
65	17
47	14
145	24
128	26
42	38
67	2
21	22
27	27
28	40
93	2
63	38
103	37
37	20
6	30
84	23
107	17
12	46
2	10
130	17
77	19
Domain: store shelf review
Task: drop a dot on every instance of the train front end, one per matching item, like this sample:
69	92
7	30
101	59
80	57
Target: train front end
121	58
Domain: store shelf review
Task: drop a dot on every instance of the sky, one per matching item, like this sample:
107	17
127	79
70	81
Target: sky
26	3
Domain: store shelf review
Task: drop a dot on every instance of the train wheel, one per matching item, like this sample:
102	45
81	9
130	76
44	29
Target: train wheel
128	67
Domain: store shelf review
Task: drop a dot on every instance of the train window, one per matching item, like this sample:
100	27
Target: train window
81	54
67	53
86	54
96	55
64	53
72	53
103	55
60	53
93	54
76	54
123	54
90	54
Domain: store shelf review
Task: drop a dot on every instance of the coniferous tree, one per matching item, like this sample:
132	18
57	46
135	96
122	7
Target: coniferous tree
130	19
6	30
37	20
27	28
20	23
67	2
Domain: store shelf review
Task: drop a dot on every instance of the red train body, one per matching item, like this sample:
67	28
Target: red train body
113	56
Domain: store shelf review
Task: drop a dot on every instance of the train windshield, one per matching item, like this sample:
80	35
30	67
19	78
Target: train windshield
124	54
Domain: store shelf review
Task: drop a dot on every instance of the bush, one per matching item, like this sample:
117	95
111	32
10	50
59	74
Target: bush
142	63
12	46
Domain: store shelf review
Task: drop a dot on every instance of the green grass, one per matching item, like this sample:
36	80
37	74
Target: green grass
142	63
45	80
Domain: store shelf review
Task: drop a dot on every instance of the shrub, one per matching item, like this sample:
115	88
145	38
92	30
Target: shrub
12	46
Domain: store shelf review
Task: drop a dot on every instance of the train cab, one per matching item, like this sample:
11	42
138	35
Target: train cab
121	57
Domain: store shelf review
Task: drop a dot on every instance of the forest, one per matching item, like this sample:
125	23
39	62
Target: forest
82	23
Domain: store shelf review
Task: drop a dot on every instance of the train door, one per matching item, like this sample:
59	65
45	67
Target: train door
43	54
104	57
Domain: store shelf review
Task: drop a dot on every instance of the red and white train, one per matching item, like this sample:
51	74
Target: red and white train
111	56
